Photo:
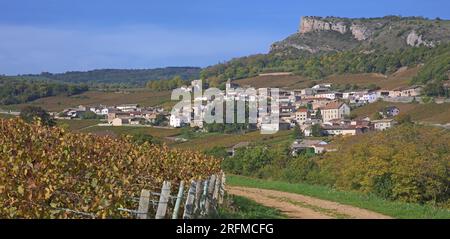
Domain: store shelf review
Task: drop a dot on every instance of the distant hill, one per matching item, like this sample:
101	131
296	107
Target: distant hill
325	46
138	77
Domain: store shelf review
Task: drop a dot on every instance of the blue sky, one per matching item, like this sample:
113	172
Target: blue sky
65	35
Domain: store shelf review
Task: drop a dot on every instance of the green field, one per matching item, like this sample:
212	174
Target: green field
390	208
130	130
76	125
236	207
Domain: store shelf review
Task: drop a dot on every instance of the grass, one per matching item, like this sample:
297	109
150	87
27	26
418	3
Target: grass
140	96
77	125
391	208
429	113
130	130
228	140
237	207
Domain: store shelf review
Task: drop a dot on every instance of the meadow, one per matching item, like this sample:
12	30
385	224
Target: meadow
394	209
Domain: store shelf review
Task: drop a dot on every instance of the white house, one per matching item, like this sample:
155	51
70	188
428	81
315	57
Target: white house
177	121
335	110
383	124
301	115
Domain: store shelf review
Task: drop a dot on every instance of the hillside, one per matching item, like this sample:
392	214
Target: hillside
323	47
317	34
135	77
400	78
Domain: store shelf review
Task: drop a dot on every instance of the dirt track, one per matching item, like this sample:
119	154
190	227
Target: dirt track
298	206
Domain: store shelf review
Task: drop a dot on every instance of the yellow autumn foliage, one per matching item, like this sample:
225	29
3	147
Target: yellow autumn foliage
43	170
408	163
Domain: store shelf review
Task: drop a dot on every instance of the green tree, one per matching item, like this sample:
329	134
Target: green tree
32	113
141	138
298	133
316	130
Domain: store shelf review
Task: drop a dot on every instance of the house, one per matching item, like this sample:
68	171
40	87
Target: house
178	121
301	115
343	129
119	121
283	125
330	95
370	97
128	107
316	146
334	110
383	124
319	103
113	114
411	91
390	111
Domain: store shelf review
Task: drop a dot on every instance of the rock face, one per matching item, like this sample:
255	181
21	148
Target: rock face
360	32
414	39
332	34
311	24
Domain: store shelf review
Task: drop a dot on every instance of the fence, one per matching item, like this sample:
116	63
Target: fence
195	199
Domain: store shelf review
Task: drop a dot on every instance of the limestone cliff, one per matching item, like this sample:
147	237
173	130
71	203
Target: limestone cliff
311	24
323	34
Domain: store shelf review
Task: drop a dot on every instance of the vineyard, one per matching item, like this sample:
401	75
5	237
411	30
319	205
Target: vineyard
46	172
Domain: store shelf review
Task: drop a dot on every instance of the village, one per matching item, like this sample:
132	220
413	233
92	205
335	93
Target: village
316	111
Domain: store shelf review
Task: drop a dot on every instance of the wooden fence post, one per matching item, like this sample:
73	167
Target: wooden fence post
189	206
198	196
178	201
204	198
144	202
222	188
209	194
163	201
216	189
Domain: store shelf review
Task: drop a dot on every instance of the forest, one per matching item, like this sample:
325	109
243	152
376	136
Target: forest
17	91
119	77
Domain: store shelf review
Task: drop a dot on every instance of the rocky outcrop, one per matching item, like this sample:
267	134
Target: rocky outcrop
360	32
311	24
414	39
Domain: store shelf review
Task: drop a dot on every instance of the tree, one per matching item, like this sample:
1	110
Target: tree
32	113
318	114
298	133
141	138
89	115
159	120
316	130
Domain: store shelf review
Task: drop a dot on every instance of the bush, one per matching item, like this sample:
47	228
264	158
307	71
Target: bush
31	114
409	163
